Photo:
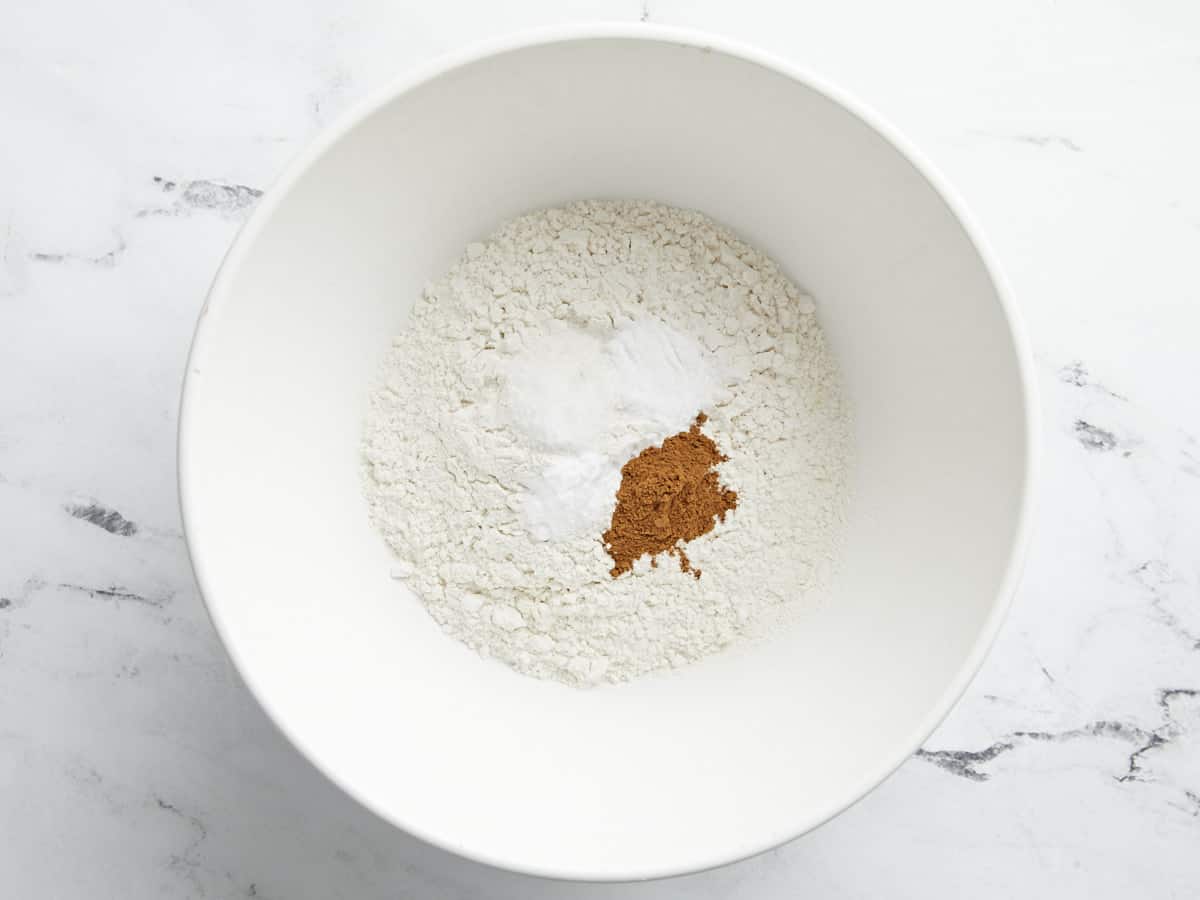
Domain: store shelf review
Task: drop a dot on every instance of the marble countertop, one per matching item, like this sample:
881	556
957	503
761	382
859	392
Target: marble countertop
135	140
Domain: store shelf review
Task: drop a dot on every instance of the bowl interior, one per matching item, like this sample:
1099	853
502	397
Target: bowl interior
666	774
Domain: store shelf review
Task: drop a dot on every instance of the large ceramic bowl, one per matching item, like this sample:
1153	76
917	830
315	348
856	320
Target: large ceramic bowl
666	774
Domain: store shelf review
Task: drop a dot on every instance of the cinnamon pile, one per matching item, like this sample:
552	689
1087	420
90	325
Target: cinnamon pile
668	496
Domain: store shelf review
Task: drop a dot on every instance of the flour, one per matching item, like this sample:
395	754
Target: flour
548	356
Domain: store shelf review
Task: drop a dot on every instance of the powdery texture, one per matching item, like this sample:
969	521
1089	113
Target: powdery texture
669	495
451	466
588	405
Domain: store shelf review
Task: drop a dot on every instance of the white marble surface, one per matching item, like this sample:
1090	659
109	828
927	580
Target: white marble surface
134	137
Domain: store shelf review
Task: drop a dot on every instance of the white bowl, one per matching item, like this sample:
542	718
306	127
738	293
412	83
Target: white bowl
666	774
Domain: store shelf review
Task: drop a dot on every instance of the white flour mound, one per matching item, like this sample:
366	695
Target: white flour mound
554	351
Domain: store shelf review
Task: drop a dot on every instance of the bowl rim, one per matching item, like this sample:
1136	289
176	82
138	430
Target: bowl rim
699	40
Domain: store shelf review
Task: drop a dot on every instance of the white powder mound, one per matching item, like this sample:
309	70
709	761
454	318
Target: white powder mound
554	351
589	405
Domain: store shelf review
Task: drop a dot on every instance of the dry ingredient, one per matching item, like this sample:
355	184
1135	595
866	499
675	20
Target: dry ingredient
669	495
494	492
588	404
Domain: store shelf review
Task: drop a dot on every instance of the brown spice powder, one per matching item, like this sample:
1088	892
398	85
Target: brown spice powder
669	495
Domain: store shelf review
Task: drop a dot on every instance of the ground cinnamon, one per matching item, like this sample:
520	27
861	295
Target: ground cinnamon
669	495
